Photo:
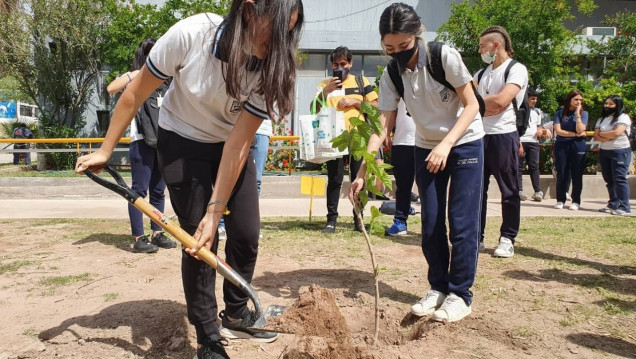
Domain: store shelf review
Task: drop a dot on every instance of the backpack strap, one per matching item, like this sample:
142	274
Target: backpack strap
480	73
435	66
506	73
394	74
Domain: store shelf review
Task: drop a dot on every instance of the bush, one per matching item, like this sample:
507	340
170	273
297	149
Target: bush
50	128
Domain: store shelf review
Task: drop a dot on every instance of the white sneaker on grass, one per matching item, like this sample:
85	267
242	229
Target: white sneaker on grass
505	249
522	196
568	197
574	207
482	246
428	304
558	205
453	309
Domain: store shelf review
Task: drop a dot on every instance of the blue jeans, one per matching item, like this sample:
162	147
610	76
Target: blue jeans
144	169
452	271
569	159
260	146
614	166
403	161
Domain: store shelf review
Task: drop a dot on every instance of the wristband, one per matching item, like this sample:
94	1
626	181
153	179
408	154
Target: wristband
225	211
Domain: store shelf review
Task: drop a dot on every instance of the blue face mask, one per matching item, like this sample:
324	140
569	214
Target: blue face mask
403	57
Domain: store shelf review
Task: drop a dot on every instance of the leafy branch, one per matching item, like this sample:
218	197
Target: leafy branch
356	139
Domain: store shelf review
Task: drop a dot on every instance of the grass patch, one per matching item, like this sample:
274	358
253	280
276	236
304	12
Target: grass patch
110	297
13	266
30	333
55	282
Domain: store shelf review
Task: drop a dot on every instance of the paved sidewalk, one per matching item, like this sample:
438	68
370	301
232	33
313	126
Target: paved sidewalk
296	207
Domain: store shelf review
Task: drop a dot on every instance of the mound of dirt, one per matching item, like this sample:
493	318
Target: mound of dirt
321	329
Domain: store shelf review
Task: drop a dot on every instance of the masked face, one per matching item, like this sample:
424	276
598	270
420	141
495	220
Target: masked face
486	47
607	111
488	58
403	57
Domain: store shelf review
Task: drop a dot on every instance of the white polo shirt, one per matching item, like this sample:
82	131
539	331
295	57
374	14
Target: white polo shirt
619	142
404	134
197	105
492	82
533	123
434	108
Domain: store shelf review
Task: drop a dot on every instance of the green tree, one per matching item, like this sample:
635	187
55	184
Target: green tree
129	23
619	50
537	28
51	48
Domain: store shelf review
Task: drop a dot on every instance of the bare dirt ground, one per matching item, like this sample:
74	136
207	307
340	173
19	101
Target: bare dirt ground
74	289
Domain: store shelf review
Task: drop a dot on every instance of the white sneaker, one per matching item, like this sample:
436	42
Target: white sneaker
522	196
559	205
428	304
505	249
222	233
574	207
482	247
453	309
538	196
567	196
620	212
605	210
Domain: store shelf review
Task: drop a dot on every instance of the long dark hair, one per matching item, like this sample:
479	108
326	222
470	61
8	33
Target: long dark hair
566	104
619	107
400	18
501	31
142	53
278	69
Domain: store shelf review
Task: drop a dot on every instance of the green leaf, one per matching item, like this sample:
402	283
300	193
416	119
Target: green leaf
341	142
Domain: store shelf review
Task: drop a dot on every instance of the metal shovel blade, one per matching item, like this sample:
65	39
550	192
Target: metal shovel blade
271	312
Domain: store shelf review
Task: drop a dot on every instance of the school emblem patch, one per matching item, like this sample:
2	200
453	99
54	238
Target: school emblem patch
445	95
236	107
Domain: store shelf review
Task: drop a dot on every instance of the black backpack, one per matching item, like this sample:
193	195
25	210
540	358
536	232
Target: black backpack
148	117
521	112
436	69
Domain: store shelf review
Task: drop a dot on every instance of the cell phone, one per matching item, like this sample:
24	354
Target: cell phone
338	73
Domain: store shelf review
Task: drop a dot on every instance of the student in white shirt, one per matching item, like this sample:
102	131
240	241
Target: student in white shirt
530	148
228	75
403	161
612	131
448	160
501	143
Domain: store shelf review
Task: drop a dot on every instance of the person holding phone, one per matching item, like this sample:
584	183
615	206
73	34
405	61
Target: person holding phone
346	92
226	81
570	123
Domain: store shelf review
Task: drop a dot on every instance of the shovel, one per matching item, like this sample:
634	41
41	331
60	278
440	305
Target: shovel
187	241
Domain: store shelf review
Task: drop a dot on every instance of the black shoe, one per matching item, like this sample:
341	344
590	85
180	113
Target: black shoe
414	197
143	246
212	348
239	328
160	240
330	228
358	226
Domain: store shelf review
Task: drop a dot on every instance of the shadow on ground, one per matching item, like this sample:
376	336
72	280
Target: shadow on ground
287	284
120	241
154	321
610	345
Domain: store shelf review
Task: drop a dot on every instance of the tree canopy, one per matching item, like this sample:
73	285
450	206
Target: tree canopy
540	39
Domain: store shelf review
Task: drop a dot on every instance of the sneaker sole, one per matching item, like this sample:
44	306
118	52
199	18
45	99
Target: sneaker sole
174	245
237	334
446	320
400	233
422	314
507	255
146	251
